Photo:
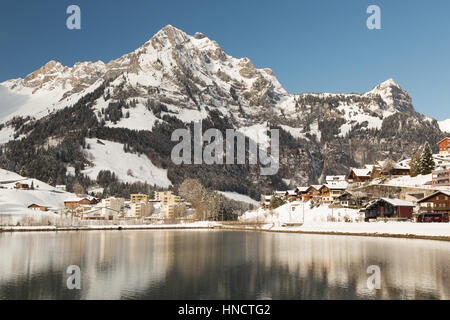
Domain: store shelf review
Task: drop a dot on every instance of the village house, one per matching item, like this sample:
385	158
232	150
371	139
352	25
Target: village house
291	195
444	146
300	191
141	209
374	170
438	202
313	192
60	187
399	169
336	189
37	207
22	186
99	213
75	202
351	199
167	198
115	204
139	197
359	175
441	178
389	208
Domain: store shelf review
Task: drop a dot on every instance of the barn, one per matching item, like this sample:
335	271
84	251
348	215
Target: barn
389	208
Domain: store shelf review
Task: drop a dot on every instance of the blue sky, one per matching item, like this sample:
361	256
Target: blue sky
312	46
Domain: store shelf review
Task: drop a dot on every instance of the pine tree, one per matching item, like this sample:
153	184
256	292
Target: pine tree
415	164
426	160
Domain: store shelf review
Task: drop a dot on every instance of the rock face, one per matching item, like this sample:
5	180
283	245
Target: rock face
188	78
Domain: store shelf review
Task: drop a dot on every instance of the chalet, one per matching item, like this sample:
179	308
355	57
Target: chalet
351	199
435	203
441	178
346	200
359	175
22	186
75	202
325	194
300	192
61	187
290	195
312	193
399	169
444	146
375	170
37	207
336	189
389	208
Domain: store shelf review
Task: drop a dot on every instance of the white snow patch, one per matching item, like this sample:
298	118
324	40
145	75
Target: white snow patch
239	197
129	167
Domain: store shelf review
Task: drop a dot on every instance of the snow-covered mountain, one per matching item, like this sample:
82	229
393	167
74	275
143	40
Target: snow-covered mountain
445	125
174	79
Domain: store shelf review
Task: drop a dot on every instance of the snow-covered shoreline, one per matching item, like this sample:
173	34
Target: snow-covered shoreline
195	225
409	230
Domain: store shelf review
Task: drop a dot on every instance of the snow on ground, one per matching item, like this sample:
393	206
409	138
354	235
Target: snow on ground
407	181
140	119
6	176
295	212
444	125
327	220
380	228
6	134
257	133
239	197
14	203
295	132
129	167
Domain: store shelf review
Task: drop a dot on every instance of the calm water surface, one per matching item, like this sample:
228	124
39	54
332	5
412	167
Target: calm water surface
219	265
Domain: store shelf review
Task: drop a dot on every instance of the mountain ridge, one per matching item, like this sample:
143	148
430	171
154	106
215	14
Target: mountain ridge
174	79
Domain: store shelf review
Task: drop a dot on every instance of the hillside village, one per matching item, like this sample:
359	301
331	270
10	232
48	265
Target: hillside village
383	191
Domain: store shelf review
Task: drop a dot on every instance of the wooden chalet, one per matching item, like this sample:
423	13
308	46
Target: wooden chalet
397	170
444	146
291	195
75	202
359	175
37	207
437	202
22	186
389	208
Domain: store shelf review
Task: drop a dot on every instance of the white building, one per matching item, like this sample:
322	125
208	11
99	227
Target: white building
115	204
141	209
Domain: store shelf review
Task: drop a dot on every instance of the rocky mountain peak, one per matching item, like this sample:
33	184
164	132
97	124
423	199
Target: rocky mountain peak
395	97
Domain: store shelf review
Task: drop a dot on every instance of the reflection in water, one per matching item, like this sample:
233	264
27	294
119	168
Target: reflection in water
219	265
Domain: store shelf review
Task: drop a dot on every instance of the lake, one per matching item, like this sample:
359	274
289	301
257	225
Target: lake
165	264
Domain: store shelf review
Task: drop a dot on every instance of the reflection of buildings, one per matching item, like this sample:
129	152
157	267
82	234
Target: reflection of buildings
202	264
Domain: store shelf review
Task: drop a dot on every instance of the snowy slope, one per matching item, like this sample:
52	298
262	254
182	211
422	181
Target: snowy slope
14	202
128	167
239	197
